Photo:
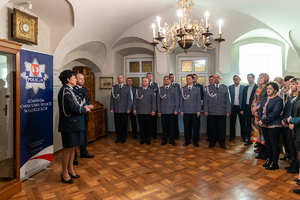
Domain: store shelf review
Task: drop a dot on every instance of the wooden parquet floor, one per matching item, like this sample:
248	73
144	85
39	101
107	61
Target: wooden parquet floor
133	171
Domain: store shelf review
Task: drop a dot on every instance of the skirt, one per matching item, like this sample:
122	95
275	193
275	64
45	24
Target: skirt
70	140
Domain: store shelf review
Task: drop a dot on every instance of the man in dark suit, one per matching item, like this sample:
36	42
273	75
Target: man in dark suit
236	94
248	95
177	86
154	86
80	90
120	106
132	116
216	108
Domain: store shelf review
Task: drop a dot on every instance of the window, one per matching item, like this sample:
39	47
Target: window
194	65
259	58
138	68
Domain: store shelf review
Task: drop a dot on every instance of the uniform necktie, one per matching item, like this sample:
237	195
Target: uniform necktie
217	87
120	86
190	88
167	88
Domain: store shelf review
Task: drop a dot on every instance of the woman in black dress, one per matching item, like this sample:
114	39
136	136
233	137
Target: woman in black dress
269	119
71	123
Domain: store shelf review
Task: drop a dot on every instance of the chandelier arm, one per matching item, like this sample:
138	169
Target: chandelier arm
211	48
170	53
161	50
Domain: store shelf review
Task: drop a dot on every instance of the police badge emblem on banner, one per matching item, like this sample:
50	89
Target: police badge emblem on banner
34	75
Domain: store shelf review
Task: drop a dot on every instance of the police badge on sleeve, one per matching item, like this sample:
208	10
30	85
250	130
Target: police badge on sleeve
34	75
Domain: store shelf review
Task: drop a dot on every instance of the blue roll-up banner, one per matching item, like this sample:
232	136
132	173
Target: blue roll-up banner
36	112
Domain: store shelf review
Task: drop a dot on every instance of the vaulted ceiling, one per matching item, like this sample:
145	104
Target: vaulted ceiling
106	21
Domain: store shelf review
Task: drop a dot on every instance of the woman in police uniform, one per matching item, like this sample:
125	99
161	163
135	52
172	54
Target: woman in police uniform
71	123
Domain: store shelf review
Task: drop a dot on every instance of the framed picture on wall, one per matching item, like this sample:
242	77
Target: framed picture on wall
105	82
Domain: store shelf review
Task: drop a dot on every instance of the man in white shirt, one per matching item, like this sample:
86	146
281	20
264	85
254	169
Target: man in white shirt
236	94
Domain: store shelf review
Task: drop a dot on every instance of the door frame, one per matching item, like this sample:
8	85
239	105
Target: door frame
14	186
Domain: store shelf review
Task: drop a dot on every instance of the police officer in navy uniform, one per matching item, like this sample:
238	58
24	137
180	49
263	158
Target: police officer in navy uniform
120	106
82	92
132	116
144	106
154	86
216	108
190	110
71	123
177	86
168	107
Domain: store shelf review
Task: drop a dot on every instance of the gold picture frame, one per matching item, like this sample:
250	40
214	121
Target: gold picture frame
106	82
25	27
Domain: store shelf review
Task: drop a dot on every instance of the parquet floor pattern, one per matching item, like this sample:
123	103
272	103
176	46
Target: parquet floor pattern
133	171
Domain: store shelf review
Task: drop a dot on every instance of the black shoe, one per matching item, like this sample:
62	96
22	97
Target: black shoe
76	176
142	142
297	191
267	164
173	143
117	140
248	143
163	143
259	156
196	144
273	166
256	145
75	162
186	144
223	146
294	170
87	155
64	181
123	141
231	139
211	145
296	180
291	165
148	143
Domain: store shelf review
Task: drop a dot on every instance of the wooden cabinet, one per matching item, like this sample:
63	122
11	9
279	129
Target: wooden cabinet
98	117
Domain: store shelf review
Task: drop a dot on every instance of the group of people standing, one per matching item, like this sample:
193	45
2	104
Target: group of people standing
167	101
266	110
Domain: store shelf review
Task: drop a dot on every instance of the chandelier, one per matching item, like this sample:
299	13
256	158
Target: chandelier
185	32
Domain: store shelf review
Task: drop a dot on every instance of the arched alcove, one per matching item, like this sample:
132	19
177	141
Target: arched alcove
91	54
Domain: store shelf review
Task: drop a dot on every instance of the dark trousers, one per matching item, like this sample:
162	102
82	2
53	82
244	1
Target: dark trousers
133	124
271	136
248	119
217	125
176	127
154	125
83	150
236	111
191	127
121	120
145	127
290	143
168	128
209	132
